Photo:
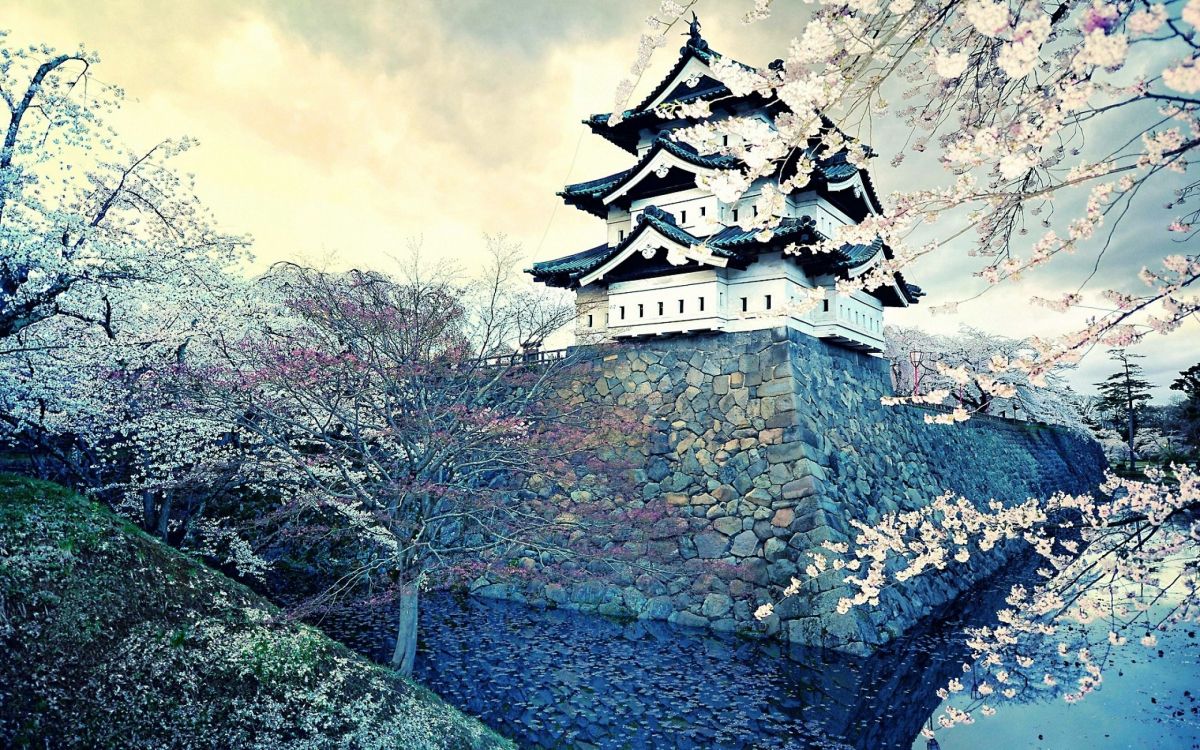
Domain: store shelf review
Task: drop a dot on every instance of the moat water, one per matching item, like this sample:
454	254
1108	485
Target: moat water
561	679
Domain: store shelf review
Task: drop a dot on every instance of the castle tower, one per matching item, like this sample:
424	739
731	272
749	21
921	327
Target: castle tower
679	260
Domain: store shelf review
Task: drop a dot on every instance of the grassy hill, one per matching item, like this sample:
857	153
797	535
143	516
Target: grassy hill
111	639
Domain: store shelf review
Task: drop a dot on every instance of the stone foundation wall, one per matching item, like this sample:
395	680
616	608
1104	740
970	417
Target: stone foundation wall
759	447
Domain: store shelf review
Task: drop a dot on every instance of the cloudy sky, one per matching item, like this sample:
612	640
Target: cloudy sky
342	130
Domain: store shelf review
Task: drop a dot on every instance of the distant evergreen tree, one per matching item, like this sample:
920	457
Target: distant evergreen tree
1188	383
1123	396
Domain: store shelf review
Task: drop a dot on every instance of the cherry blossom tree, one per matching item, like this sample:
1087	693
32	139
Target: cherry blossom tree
925	365
395	407
1000	97
1031	130
83	219
111	272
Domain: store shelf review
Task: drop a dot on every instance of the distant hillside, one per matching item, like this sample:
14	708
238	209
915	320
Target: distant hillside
111	639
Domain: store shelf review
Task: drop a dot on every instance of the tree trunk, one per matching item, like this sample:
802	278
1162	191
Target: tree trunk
1130	415
406	631
164	518
1132	455
149	516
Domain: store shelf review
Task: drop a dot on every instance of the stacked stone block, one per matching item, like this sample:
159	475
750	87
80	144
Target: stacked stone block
763	445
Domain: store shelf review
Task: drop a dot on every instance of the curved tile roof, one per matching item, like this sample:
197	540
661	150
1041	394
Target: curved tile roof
571	268
739	245
590	195
625	133
734	243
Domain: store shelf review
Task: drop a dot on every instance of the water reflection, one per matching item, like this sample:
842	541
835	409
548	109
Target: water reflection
559	679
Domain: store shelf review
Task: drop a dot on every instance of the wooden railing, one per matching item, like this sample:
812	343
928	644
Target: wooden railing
519	359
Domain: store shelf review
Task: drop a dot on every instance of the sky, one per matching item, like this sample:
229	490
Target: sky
339	132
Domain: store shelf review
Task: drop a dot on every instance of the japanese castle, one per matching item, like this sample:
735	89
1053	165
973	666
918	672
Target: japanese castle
677	260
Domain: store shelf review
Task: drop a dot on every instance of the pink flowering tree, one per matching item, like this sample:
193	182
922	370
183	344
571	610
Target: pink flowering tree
999	98
953	370
1030	130
394	410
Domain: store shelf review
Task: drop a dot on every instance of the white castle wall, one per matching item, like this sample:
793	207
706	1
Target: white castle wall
772	292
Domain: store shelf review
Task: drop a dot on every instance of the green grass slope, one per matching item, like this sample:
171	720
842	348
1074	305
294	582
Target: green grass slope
110	639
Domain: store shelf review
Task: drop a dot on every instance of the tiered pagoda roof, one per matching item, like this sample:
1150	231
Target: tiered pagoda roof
672	91
590	195
593	195
670	165
732	247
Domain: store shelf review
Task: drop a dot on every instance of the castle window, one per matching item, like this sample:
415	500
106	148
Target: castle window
641	311
825	306
744	304
701	304
660	308
589	321
620	235
755	208
622	312
683	217
702	211
725	141
735	212
768	302
680	305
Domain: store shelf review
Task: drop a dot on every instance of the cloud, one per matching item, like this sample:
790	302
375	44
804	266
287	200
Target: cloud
348	128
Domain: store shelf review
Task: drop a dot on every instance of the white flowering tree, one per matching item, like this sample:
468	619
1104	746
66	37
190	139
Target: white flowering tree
111	274
1031	130
953	370
999	97
83	218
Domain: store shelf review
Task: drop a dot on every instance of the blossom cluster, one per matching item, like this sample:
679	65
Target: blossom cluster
1008	93
1116	567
